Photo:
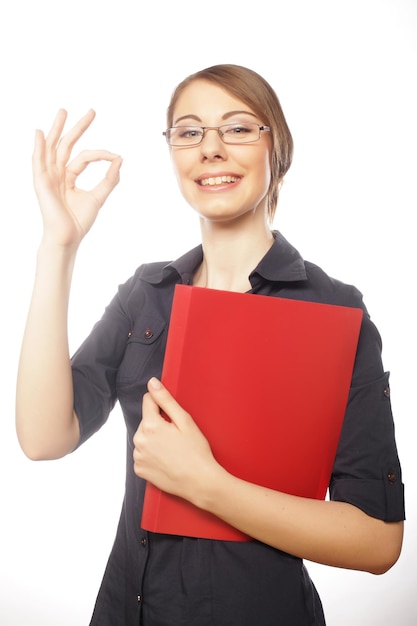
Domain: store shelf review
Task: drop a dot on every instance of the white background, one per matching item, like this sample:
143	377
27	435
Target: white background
345	71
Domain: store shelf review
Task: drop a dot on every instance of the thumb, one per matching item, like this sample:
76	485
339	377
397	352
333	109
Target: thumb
167	403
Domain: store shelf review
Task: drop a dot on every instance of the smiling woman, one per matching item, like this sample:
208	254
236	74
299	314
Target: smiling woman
213	161
261	102
230	147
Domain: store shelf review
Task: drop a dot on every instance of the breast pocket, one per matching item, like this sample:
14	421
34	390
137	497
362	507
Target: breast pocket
144	351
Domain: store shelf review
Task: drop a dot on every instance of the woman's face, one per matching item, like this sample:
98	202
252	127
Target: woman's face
220	181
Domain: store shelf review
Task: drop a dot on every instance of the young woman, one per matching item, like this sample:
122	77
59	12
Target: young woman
230	147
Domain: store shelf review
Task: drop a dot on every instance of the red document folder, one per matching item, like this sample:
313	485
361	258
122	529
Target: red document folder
267	380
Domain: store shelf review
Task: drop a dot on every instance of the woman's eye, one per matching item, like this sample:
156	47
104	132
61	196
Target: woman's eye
239	130
190	133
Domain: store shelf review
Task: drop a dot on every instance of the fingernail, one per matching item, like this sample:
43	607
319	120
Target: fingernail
155	383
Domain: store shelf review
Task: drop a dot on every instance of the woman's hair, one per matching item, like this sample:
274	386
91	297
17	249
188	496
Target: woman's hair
258	94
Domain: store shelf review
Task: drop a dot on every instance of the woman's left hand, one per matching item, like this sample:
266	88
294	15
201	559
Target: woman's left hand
172	454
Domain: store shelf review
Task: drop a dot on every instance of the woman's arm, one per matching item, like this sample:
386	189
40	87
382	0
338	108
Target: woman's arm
46	424
176	457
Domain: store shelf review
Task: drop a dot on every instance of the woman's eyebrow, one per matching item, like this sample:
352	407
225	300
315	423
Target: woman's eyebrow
191	116
231	113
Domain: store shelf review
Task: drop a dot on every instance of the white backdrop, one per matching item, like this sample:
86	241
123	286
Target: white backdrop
345	71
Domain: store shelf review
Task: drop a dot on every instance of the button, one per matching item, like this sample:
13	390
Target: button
144	541
139	598
391	477
148	333
130	333
387	392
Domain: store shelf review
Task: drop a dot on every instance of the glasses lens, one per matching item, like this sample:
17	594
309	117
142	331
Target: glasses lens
240	133
184	135
230	133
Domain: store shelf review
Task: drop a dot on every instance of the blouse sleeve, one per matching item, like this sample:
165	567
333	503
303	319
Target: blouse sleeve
95	365
367	471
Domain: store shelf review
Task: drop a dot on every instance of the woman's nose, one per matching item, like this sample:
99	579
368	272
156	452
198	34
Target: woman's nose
211	146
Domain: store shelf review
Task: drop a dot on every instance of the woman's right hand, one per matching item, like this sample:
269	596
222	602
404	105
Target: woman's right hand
69	212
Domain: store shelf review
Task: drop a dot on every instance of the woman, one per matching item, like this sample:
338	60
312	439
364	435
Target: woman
230	147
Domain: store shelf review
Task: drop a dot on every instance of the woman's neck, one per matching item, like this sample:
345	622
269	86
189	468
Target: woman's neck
230	254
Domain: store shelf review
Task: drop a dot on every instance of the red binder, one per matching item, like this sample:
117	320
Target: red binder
267	380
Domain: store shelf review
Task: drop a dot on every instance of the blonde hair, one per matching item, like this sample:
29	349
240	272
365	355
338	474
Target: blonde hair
257	93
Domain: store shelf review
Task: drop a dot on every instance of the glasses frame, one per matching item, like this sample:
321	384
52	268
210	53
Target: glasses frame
261	127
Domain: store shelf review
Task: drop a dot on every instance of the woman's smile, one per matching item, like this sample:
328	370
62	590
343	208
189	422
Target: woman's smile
214	181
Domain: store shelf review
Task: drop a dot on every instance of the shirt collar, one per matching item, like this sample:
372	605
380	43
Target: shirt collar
282	262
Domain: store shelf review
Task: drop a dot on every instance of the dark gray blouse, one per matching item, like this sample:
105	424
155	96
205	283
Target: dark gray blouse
162	580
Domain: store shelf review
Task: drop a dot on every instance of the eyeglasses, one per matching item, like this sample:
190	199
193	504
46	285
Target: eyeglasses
229	133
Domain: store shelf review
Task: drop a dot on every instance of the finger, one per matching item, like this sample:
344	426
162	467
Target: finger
67	141
167	403
102	190
151	420
38	156
150	411
83	160
54	135
109	182
57	127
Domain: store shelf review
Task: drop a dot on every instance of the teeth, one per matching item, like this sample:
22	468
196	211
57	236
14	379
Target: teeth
218	180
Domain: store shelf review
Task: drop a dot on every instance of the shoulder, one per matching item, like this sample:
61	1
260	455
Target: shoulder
150	272
150	286
319	286
147	273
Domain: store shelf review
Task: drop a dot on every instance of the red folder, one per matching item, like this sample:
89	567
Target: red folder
267	380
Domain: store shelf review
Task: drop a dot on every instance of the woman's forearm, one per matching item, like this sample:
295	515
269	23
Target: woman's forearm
331	533
46	424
